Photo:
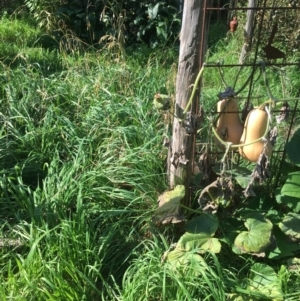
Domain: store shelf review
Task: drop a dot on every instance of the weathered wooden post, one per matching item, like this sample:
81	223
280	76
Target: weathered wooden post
248	31
193	41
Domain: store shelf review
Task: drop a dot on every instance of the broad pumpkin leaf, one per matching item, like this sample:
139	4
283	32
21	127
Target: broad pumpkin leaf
200	242
290	192
284	247
184	262
190	245
263	284
169	204
286	168
257	238
264	280
292	148
182	257
290	225
196	241
199	235
229	226
205	223
242	175
174	255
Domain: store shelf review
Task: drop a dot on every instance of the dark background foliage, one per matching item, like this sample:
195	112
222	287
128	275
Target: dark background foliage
127	21
10	5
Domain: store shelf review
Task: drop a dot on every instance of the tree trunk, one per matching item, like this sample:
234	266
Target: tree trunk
193	42
248	31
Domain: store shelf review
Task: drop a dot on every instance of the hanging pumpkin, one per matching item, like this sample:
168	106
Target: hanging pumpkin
229	126
255	127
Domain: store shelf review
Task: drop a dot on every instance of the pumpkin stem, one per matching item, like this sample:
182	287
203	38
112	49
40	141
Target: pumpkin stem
194	89
263	69
203	128
263	105
228	145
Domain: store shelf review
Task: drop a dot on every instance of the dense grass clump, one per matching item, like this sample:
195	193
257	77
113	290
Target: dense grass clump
82	164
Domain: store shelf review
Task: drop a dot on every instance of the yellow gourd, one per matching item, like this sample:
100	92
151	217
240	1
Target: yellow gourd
229	126
255	127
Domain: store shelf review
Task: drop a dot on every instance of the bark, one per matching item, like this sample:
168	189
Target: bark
248	31
192	49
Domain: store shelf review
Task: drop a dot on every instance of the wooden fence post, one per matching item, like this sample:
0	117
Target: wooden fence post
193	41
248	31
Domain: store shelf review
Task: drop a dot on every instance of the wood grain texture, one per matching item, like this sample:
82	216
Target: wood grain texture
193	41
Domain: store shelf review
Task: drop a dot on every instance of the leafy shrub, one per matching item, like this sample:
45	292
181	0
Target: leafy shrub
122	21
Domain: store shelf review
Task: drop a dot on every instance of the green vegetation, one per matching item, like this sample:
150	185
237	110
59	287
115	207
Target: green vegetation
83	164
113	21
81	167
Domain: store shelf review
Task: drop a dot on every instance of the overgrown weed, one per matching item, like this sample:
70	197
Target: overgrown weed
82	164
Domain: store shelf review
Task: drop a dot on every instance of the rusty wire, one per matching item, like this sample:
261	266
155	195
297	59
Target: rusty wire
252	8
201	58
208	65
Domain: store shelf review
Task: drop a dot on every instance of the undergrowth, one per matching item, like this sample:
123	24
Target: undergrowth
82	164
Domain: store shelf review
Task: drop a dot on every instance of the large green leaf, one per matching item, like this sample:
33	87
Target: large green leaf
199	242
257	238
286	168
290	225
242	175
284	247
290	192
199	235
264	280
205	223
184	262
229	228
293	146
263	284
169	204
153	10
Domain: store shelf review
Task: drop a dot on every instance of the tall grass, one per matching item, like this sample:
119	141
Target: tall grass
149	278
82	164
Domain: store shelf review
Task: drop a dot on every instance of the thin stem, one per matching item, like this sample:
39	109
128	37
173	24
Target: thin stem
263	105
203	128
194	89
222	76
224	157
263	69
